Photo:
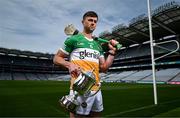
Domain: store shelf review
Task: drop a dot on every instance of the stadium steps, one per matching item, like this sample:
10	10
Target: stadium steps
5	76
114	77
26	76
175	78
19	76
161	76
42	76
145	77
139	75
123	77
31	76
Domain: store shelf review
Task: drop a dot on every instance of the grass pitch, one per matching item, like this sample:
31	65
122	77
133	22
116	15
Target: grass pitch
40	99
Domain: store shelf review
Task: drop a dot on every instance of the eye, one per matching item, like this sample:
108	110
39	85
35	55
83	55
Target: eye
91	20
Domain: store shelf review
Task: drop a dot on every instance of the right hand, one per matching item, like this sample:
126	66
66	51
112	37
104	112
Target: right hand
74	70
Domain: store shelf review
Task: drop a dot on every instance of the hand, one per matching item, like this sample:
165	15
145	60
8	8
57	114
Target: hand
74	70
113	42
111	45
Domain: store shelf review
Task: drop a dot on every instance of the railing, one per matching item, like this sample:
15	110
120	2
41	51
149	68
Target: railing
171	51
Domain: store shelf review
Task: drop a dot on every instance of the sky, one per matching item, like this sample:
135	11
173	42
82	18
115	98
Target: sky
38	25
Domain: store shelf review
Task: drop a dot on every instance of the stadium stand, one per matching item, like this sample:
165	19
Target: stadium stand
177	77
136	55
31	76
162	76
138	76
132	62
114	77
19	76
5	76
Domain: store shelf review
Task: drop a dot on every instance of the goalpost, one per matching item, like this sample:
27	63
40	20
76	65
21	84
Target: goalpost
152	52
152	44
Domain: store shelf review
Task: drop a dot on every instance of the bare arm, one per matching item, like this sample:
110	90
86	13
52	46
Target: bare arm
58	59
106	63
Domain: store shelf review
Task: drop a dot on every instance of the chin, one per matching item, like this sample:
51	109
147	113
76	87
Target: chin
91	30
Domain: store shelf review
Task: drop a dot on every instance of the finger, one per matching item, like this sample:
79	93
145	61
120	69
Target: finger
111	47
113	42
74	75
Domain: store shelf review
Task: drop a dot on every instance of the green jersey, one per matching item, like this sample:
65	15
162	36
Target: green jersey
85	53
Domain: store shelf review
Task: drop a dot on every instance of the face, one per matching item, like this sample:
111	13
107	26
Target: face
89	24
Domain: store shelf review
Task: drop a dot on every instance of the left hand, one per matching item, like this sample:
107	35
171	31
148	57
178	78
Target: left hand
111	45
113	42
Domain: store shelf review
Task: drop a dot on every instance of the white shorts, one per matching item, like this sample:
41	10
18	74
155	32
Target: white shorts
94	103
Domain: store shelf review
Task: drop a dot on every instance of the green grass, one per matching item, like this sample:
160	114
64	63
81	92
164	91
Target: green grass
40	98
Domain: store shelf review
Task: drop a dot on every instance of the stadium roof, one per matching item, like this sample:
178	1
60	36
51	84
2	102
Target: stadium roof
29	54
165	22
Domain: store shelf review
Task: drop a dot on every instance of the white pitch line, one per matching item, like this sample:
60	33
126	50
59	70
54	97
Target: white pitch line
140	108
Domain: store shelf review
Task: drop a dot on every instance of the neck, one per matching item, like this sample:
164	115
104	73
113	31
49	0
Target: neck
88	35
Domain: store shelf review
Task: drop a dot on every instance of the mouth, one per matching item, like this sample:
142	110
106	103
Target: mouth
92	28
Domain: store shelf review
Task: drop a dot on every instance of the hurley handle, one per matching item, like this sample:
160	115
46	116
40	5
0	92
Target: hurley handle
71	30
118	45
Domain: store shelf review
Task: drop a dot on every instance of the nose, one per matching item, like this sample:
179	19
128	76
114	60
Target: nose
92	23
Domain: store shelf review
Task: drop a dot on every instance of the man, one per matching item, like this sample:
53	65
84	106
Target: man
86	54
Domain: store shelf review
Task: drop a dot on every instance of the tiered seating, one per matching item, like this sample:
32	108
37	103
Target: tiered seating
169	46
111	77
5	76
138	76
102	76
66	77
42	76
19	76
162	75
31	76
117	77
143	76
177	77
144	50
60	77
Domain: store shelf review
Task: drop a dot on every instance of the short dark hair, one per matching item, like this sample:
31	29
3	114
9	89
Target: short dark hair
90	14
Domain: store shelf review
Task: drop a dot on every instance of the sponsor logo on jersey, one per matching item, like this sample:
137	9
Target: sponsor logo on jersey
80	43
85	53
